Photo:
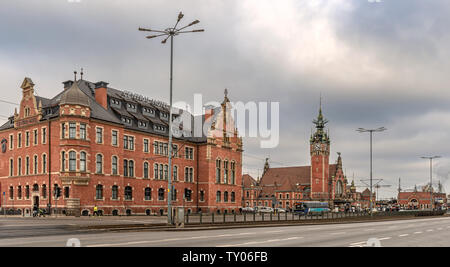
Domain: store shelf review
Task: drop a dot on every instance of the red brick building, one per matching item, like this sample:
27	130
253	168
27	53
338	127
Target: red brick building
421	199
321	181
105	147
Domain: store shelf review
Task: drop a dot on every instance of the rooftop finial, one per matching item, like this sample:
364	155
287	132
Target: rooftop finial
82	73
226	92
75	76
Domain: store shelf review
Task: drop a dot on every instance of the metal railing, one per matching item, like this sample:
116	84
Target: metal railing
214	218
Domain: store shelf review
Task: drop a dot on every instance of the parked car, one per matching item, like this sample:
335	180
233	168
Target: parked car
264	209
248	209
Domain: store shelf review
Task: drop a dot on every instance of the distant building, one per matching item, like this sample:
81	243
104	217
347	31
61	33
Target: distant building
321	181
421	199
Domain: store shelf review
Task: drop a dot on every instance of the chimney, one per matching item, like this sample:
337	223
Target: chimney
67	84
101	94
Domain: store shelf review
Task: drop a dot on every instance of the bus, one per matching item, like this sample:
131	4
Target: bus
311	207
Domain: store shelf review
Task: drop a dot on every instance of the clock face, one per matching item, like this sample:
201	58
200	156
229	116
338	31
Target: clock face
317	146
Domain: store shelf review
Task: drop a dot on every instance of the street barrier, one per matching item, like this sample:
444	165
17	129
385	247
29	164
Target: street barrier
263	217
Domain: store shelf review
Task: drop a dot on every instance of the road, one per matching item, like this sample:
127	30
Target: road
409	233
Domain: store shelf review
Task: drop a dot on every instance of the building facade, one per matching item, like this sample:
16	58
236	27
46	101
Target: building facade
420	200
92	145
320	181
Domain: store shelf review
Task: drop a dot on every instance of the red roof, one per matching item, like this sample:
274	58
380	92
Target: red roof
248	181
287	178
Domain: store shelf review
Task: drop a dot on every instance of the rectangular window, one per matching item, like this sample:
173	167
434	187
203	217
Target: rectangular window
11	142
99	136
125	142
175	151
72	130
83	131
146	148
114	138
156	148
63	130
131	142
189	153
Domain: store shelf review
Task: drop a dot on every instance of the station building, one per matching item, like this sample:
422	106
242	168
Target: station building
92	145
321	181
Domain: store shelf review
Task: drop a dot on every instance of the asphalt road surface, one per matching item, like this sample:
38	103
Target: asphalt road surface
405	233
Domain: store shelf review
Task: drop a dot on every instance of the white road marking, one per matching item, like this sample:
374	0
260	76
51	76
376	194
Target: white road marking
403	235
339	233
430	230
166	240
416	233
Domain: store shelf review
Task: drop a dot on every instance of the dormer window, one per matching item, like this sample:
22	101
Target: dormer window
142	124
27	112
115	103
164	116
148	112
131	107
127	121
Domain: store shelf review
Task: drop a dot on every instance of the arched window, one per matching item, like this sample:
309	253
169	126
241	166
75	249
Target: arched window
115	192
63	161
35	169
145	170
44	163
99	164
125	168
44	191
339	188
161	171
72	161
175	173
225	171
99	192
225	196
114	165
156	170
218	162
148	193
166	172
131	168
233	196
218	196
83	162
233	172
35	188
161	194
128	193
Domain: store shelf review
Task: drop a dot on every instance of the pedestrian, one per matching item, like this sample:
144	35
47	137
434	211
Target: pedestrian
95	210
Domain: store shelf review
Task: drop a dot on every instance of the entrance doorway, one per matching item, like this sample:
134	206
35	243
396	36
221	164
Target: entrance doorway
36	201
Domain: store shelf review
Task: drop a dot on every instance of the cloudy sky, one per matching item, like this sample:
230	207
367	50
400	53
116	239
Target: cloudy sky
375	64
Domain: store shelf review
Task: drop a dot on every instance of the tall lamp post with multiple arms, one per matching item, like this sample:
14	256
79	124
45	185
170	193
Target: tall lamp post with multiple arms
371	131
431	177
166	34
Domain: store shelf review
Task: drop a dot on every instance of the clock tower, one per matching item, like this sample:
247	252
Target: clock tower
320	153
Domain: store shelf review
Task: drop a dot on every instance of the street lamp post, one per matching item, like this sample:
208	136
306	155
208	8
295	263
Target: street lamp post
371	131
170	33
431	178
